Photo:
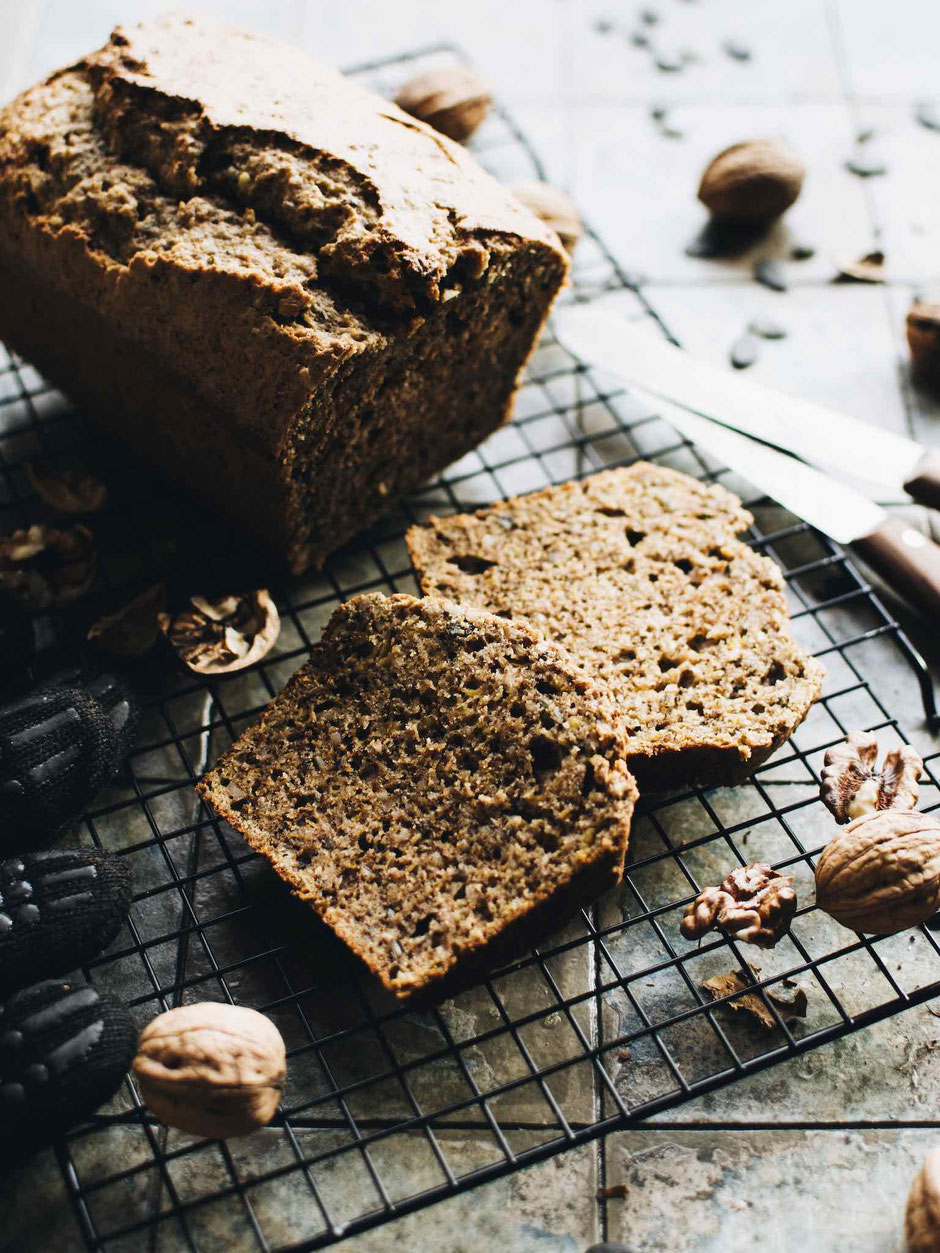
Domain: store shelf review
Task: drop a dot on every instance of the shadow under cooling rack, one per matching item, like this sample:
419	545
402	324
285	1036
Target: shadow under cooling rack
387	1109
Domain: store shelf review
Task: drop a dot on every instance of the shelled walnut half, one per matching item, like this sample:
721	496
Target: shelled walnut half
755	904
45	567
852	785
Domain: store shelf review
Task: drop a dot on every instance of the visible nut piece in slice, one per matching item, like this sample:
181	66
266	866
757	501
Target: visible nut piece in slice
555	208
755	181
755	904
44	567
133	630
922	1216
452	99
852	785
923	338
213	1070
790	1000
881	874
67	486
225	634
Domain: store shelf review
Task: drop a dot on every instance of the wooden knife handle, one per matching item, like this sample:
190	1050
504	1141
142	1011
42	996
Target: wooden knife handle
924	483
908	562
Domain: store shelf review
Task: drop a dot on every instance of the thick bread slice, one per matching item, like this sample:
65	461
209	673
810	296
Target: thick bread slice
638	573
437	783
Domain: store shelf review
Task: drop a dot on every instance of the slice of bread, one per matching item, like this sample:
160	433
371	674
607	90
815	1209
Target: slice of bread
638	573
437	783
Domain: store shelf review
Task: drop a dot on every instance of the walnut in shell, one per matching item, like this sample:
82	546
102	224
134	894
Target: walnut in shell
923	339
45	567
881	874
554	208
453	99
211	1069
755	181
67	486
225	634
922	1217
132	630
852	785
755	904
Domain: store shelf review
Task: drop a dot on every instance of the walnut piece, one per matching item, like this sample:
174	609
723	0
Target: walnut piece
923	339
211	1069
132	630
44	567
867	269
223	635
922	1216
755	904
881	874
755	181
453	99
787	997
852	785
554	208
67	486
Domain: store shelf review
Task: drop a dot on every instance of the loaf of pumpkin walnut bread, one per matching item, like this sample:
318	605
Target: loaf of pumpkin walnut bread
283	291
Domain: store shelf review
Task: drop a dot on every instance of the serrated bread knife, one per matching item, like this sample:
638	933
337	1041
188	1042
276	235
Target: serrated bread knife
905	558
833	441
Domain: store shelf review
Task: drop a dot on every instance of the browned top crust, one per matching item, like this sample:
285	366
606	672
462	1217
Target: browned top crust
217	194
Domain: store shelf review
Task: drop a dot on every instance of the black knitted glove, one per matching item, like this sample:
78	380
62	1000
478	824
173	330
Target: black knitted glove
58	909
58	746
63	1051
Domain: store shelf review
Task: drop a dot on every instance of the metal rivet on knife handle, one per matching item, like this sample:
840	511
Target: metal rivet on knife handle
908	562
924	483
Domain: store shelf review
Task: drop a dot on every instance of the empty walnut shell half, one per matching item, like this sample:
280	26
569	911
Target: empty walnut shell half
923	339
755	181
225	634
555	209
922	1216
453	99
67	486
852	785
755	904
211	1069
132	630
45	567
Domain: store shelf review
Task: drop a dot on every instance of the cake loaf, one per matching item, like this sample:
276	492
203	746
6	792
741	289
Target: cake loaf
638	573
283	291
437	783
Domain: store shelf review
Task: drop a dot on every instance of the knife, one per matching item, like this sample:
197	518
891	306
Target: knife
822	436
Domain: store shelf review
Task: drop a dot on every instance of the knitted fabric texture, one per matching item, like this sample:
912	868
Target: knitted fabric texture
63	1051
58	746
58	909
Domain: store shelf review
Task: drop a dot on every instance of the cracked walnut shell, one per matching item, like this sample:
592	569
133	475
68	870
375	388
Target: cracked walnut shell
223	635
755	181
922	1217
881	874
852	785
211	1069
755	904
453	99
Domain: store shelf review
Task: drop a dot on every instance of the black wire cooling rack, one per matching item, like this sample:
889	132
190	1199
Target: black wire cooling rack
387	1110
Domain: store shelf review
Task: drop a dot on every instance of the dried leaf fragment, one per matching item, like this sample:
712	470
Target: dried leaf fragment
869	268
790	1003
453	99
554	208
922	1216
755	904
223	635
132	630
851	785
45	567
67	486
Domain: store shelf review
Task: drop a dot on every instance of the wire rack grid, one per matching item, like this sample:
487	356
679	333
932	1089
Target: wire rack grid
387	1110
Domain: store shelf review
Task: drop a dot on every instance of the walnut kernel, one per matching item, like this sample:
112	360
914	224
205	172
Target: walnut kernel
755	904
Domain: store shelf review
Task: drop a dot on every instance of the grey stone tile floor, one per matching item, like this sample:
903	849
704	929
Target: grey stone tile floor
818	1152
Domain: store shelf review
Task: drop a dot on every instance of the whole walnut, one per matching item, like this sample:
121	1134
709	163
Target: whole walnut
214	1070
922	1217
881	873
755	181
453	99
555	208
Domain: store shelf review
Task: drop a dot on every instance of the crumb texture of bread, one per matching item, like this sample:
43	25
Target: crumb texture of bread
431	782
345	294
639	574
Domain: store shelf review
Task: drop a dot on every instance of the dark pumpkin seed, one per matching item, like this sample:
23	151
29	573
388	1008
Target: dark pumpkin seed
767	329
928	115
866	166
744	351
771	274
737	51
668	63
802	252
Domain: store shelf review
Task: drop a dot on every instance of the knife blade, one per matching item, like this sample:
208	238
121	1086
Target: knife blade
902	555
822	436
